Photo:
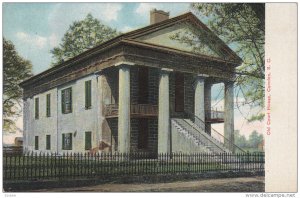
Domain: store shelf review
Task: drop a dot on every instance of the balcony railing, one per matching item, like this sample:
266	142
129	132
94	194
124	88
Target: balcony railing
136	110
214	116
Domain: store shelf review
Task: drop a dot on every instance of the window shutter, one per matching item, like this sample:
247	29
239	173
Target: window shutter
48	105
48	142
88	94
37	108
63	101
70	99
63	141
88	140
70	146
36	143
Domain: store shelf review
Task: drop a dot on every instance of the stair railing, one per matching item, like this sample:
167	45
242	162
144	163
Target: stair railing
199	134
213	133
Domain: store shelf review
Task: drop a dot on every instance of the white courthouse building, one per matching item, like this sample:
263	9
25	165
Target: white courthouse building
142	91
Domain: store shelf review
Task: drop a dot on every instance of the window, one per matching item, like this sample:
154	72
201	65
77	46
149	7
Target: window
66	100
88	140
48	105
67	141
48	142
36	142
88	94
36	108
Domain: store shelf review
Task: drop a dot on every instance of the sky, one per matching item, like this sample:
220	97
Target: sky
36	28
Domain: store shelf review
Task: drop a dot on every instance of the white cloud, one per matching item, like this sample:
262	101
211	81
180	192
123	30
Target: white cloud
64	14
144	8
110	11
53	40
36	40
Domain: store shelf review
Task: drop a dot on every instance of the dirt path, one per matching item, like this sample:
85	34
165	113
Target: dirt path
244	184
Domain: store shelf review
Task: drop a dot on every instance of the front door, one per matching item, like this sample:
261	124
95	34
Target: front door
179	92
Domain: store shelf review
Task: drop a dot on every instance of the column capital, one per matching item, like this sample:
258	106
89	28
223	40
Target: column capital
202	75
124	63
166	70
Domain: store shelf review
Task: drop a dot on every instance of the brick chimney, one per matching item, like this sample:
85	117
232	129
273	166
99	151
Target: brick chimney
157	16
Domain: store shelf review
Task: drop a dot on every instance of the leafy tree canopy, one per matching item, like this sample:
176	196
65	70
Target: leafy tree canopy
81	36
242	27
15	70
252	142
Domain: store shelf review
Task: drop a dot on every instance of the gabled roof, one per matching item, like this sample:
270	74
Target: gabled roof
232	57
190	18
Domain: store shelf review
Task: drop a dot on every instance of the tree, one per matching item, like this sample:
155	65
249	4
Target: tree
81	36
15	70
255	139
240	140
242	27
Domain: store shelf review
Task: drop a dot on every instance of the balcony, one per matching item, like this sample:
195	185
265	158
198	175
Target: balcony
213	116
136	110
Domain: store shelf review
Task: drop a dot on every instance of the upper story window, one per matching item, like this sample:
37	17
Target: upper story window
36	108
88	94
48	105
66	100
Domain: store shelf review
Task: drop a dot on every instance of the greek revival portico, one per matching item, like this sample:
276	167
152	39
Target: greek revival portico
202	103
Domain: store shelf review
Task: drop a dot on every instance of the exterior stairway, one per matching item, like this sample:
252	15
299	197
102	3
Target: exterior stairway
193	130
194	135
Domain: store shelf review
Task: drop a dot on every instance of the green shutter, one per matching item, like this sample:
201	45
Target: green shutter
70	99
36	143
63	141
63	101
48	142
70	146
37	108
48	112
88	140
88	94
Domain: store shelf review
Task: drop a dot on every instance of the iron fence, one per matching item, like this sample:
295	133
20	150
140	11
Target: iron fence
34	166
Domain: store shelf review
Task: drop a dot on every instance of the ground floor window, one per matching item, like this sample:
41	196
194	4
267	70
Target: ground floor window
88	140
36	142
67	141
48	142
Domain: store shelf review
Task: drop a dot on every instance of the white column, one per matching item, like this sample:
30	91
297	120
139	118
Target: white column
229	115
124	110
100	106
207	104
199	98
164	112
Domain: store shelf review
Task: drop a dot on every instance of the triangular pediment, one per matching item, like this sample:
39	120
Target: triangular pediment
186	37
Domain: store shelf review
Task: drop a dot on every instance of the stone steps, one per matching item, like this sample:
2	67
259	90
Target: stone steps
198	136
